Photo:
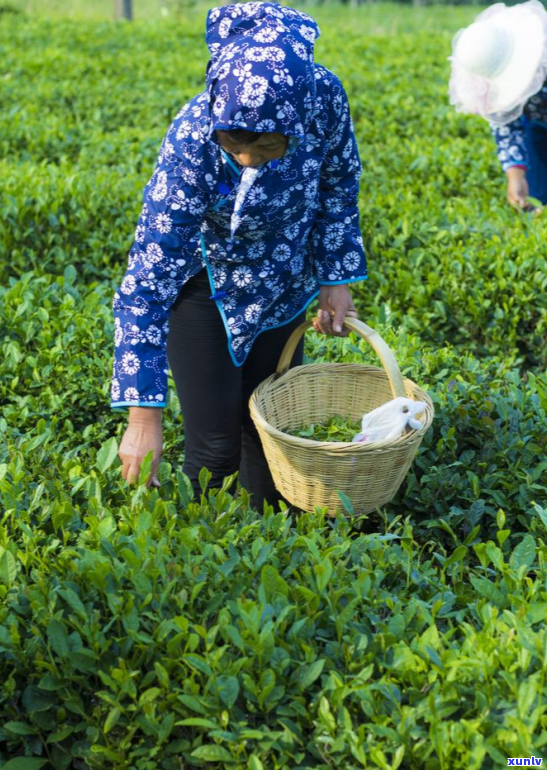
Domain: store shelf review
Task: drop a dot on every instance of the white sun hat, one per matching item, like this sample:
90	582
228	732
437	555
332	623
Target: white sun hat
500	61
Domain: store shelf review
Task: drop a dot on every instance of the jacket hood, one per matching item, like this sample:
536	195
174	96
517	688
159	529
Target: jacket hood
261	75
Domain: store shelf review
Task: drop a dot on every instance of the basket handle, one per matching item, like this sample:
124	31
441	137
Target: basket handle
384	352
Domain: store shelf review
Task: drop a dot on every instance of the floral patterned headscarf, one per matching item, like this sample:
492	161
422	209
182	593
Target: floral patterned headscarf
261	75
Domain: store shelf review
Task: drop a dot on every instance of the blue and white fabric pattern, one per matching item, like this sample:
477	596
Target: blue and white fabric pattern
511	139
270	236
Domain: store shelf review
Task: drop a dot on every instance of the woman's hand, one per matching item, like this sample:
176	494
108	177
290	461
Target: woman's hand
335	303
517	188
143	434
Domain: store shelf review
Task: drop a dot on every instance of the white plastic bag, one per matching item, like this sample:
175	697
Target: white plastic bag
389	421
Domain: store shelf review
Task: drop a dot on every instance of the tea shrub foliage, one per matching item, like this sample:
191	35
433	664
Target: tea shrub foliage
146	629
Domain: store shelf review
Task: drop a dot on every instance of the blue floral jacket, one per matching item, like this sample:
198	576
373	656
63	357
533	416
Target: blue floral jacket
269	237
511	140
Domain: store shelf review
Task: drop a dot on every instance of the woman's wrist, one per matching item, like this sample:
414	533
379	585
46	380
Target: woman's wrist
516	172
145	415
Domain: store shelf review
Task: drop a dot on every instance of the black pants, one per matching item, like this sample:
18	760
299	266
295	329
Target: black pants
214	393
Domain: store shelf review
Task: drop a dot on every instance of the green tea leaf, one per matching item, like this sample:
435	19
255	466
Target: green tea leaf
198	663
537	612
58	638
323	574
212	753
25	763
8	568
149	696
524	554
458	555
307	674
145	468
73	601
19	728
198	722
35	699
273	582
204	479
526	696
336	428
61	735
228	689
162	674
193	703
112	719
396	626
346	502
326	716
185	490
106	455
486	588
542	513
70	274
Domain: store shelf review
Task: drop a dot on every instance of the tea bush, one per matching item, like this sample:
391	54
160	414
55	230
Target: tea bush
163	633
146	629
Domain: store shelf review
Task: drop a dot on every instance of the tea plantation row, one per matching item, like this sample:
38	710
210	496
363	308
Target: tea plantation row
143	629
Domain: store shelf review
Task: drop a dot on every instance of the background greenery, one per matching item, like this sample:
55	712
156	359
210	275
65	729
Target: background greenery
147	10
147	630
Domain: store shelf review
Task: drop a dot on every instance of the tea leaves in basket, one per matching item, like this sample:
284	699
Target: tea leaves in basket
337	428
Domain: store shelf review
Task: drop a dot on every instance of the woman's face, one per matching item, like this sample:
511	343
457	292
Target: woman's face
271	146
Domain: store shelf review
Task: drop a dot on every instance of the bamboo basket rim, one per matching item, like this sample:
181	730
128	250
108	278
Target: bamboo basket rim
338	446
391	371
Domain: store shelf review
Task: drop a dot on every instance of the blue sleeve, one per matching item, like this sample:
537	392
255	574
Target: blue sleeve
337	245
166	243
511	143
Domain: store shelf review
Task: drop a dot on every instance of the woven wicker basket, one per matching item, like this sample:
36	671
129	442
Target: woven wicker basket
310	473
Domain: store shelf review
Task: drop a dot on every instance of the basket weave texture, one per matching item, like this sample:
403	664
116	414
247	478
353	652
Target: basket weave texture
310	473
